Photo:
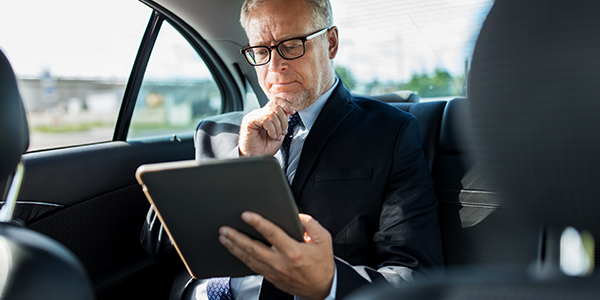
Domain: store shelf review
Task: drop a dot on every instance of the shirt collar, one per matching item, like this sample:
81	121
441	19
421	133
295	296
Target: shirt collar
309	115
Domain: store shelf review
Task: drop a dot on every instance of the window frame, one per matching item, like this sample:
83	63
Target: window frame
231	99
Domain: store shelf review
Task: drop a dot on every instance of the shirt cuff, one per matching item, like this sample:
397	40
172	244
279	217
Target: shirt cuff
235	153
333	286
246	288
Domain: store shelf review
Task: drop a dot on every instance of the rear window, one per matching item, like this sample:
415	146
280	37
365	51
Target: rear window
420	45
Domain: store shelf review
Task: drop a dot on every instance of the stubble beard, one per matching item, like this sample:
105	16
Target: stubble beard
300	100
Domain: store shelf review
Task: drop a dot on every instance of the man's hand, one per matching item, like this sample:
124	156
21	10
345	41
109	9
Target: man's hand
262	130
302	269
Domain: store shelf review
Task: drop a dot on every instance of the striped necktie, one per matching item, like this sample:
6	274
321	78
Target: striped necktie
287	140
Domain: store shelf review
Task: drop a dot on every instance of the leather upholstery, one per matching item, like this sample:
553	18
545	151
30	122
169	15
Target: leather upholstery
472	285
476	229
535	104
14	133
32	266
399	96
454	134
429	115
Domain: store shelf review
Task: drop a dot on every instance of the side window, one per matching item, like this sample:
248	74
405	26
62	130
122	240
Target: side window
415	45
72	65
177	91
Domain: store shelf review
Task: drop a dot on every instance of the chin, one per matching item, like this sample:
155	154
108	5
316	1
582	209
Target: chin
299	100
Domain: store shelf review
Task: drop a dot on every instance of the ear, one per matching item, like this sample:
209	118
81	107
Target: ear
332	38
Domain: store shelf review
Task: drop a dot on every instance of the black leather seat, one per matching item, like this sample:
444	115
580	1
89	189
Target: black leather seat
32	266
477	228
399	96
429	116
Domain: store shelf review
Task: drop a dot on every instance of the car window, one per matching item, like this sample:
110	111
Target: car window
72	59
177	91
419	45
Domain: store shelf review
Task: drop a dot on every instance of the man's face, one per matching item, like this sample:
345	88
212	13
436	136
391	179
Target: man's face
300	81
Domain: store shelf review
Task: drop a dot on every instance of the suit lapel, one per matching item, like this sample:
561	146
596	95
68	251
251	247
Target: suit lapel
337	108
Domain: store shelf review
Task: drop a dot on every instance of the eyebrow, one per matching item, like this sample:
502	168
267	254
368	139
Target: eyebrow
277	41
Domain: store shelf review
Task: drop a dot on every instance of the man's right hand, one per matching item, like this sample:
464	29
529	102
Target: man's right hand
262	130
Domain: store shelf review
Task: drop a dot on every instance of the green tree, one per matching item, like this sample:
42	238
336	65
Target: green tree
346	76
441	84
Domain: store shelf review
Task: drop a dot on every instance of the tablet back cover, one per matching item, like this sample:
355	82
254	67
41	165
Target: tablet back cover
193	200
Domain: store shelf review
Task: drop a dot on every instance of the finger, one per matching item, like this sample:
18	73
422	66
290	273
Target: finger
285	105
271	232
251	252
254	264
275	116
282	117
280	107
272	126
314	232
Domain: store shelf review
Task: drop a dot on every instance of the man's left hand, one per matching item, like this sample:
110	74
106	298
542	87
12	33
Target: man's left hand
302	269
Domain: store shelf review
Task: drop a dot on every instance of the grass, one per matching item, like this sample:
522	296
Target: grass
68	128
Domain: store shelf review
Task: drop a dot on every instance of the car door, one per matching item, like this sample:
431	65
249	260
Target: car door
86	196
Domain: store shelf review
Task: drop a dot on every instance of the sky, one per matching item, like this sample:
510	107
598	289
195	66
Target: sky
387	40
36	40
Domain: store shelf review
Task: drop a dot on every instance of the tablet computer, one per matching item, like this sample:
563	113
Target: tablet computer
194	199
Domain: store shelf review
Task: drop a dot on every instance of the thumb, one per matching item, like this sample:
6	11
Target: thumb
313	231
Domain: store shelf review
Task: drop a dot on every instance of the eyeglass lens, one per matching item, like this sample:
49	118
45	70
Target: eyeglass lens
288	49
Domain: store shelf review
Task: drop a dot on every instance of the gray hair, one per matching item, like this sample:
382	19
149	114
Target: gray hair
321	14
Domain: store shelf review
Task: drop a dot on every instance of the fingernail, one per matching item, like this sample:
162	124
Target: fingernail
247	217
223	231
223	240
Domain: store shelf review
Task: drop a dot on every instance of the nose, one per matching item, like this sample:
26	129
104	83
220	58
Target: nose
277	62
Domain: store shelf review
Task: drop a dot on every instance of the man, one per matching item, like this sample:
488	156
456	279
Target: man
354	164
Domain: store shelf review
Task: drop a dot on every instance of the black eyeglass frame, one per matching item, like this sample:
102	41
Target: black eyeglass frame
269	48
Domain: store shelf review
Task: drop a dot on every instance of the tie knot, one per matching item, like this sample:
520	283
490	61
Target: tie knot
293	120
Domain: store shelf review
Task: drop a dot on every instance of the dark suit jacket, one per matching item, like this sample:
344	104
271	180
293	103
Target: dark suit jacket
362	174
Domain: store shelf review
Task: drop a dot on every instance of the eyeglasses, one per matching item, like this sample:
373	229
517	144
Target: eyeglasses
289	49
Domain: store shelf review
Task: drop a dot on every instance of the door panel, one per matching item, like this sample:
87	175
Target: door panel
67	176
101	207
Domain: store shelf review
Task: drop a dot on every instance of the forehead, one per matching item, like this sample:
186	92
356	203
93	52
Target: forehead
278	20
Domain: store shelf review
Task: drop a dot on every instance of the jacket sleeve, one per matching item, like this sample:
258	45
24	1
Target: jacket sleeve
154	238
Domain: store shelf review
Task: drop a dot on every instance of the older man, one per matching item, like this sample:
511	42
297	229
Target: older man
354	164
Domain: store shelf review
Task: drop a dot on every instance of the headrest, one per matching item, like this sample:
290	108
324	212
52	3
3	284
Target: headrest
455	130
399	96
37	267
534	96
14	133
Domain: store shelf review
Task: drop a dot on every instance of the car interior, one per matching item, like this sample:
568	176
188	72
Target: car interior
514	163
